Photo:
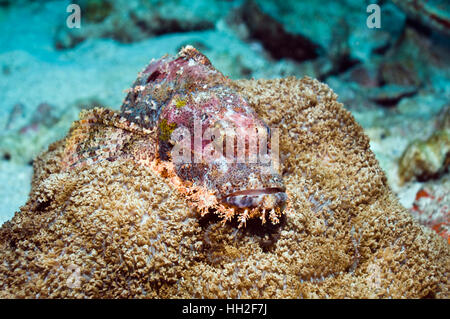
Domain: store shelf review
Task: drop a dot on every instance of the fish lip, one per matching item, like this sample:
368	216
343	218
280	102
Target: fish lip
256	192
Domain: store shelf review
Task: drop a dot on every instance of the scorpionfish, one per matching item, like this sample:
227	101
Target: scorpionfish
183	118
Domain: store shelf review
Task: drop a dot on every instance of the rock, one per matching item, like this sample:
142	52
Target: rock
118	229
434	14
431	206
279	42
130	21
26	135
346	27
398	73
424	106
390	94
95	11
312	20
393	19
353	95
443	118
364	75
417	59
426	159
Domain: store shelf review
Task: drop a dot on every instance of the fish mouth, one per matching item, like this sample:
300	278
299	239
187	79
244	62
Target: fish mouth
265	198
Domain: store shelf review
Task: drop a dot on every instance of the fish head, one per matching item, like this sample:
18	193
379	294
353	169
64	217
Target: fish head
247	174
235	154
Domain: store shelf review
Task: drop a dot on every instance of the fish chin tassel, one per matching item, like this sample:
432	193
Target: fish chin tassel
203	201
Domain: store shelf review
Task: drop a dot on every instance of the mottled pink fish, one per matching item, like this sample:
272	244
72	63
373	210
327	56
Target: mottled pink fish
183	111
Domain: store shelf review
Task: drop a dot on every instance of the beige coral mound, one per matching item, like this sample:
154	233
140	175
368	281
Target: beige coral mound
116	229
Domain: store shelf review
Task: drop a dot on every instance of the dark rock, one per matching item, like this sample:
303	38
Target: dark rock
134	20
364	76
389	95
399	73
434	14
274	37
417	59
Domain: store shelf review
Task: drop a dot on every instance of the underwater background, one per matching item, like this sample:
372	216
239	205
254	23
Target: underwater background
389	65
